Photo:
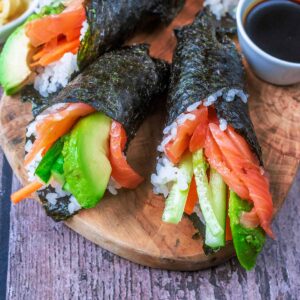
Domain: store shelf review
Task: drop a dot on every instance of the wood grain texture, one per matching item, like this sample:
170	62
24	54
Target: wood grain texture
49	261
130	224
5	190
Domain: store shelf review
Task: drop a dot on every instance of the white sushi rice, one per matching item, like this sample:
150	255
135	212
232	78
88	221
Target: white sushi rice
84	29
73	206
213	98
166	173
223	124
52	198
113	186
31	167
221	7
56	75
233	93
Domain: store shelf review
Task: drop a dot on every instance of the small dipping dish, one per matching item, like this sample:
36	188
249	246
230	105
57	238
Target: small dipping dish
266	66
8	28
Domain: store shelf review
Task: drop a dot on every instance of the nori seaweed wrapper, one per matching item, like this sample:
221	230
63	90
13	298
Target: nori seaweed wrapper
58	211
125	85
111	22
207	61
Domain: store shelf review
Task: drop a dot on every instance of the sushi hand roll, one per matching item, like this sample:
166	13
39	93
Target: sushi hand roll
58	39
210	153
75	147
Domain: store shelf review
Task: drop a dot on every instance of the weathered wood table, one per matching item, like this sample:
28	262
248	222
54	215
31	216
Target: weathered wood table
40	259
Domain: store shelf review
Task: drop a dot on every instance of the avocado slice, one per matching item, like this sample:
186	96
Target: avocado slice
14	68
248	242
86	166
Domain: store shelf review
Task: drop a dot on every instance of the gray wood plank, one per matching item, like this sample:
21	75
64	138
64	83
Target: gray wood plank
49	261
5	188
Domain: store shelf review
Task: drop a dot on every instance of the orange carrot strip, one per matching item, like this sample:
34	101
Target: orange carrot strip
58	52
43	30
45	49
39	54
192	198
25	192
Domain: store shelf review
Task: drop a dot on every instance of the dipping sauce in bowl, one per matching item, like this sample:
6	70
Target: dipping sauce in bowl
274	26
268	32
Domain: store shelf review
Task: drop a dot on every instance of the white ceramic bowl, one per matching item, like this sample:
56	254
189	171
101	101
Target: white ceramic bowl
8	28
266	66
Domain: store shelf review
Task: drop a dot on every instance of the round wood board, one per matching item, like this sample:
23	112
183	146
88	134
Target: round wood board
129	224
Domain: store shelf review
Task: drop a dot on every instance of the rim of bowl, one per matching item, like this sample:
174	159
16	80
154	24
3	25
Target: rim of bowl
21	18
241	28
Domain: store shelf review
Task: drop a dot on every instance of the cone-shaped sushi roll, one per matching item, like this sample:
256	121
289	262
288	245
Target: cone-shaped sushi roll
59	38
210	153
75	146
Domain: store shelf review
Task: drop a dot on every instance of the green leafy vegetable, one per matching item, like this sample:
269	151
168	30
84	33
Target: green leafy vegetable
43	170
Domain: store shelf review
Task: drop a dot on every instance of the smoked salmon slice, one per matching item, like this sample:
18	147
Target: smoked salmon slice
176	148
249	173
54	125
216	161
122	173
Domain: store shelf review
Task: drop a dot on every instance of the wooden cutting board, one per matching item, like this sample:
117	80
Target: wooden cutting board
130	224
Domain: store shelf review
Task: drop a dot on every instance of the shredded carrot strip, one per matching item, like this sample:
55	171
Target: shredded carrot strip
46	57
25	192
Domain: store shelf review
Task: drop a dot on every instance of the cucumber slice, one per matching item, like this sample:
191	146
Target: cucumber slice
218	201
175	203
205	194
248	242
43	171
57	171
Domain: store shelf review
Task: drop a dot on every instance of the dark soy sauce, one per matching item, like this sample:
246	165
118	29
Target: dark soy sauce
274	26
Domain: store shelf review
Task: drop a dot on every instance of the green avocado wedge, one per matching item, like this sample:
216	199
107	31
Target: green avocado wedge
14	67
248	242
15	71
86	166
